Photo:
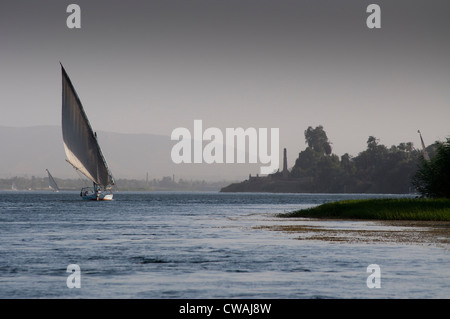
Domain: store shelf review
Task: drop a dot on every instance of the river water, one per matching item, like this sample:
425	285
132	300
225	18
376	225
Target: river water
200	245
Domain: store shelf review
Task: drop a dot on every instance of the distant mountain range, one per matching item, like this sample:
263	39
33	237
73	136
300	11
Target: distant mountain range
28	151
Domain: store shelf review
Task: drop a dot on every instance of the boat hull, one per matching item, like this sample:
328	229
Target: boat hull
91	194
101	197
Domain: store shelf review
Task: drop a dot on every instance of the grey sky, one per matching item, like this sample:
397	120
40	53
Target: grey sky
153	66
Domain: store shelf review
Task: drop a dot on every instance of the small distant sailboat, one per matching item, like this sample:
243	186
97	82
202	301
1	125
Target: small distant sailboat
81	146
14	187
51	182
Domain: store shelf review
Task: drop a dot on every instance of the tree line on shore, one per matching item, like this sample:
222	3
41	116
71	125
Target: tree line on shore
432	179
377	169
398	169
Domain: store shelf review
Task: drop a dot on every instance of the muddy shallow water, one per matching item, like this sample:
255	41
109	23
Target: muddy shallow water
356	231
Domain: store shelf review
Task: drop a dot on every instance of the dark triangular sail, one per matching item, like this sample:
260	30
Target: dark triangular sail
80	142
52	182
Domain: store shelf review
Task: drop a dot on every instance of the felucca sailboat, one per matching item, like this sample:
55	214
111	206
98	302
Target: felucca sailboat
51	182
81	146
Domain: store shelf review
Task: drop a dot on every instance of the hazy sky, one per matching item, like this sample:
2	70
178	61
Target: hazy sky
153	66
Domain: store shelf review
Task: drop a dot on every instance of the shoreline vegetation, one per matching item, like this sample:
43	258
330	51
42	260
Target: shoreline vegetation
378	169
412	209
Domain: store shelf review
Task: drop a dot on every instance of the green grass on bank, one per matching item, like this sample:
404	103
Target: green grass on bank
380	209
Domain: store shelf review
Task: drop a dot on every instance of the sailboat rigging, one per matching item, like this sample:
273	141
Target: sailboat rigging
81	145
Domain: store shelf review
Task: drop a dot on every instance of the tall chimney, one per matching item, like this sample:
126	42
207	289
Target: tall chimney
285	170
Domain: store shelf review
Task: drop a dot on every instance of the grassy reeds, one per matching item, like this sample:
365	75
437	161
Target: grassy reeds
380	209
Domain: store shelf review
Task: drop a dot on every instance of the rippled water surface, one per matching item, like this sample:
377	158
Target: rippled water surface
198	245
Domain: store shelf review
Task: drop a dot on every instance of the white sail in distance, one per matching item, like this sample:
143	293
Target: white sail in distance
80	143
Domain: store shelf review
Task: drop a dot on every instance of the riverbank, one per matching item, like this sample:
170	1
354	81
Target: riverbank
416	209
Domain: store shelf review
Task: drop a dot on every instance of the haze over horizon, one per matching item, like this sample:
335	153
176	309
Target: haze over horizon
149	67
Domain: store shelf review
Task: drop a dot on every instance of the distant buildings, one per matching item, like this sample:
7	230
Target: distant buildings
283	175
